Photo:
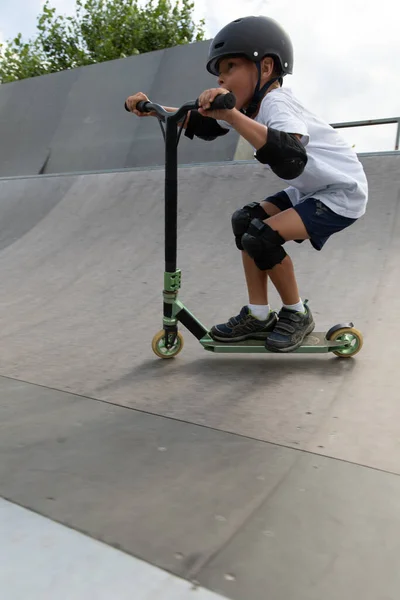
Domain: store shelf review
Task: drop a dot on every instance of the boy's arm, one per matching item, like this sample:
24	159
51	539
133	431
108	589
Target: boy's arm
255	133
282	151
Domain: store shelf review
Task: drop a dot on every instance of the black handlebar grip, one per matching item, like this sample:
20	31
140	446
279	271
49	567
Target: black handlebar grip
224	101
141	106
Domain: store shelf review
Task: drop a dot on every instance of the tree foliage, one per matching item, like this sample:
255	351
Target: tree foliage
100	30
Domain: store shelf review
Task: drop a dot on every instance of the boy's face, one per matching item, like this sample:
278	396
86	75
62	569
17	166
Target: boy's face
239	76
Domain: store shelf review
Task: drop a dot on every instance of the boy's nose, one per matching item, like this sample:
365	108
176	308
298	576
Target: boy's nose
220	81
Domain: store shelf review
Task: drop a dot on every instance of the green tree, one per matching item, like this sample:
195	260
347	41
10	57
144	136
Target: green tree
100	30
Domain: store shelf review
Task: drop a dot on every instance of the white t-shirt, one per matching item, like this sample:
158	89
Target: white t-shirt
333	173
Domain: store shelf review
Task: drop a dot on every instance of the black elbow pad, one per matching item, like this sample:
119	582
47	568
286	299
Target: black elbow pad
204	128
284	153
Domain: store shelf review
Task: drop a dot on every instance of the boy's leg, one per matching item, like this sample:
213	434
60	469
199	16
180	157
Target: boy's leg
257	280
290	226
248	324
255	320
293	324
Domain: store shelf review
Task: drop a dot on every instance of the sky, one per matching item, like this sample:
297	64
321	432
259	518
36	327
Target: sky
346	53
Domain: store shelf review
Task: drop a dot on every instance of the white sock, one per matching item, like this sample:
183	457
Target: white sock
299	307
260	311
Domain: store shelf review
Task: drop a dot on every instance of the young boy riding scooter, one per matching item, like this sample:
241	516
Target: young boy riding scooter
327	189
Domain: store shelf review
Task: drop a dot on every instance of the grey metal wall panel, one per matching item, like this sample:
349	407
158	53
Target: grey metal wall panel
95	132
75	120
30	111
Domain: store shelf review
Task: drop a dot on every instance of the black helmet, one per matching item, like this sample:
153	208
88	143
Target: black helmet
254	38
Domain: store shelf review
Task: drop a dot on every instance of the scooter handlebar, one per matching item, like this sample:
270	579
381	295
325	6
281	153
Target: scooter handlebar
221	102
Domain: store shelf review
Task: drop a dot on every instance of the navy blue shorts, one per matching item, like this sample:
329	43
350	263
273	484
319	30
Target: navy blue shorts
319	220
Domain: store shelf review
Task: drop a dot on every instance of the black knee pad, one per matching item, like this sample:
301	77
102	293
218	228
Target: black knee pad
264	245
242	218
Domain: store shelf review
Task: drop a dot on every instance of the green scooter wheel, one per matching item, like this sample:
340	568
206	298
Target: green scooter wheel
160	349
351	337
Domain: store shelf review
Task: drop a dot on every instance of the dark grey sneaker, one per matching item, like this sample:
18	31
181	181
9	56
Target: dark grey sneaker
290	331
244	327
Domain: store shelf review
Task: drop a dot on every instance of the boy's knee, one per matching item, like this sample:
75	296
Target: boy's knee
264	245
242	218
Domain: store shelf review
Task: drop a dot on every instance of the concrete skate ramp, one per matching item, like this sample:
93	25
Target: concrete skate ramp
81	267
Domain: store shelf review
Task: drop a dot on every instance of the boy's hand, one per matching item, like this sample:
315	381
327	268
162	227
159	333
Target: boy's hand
205	100
132	101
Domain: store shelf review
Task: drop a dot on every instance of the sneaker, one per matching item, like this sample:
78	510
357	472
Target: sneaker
243	327
291	329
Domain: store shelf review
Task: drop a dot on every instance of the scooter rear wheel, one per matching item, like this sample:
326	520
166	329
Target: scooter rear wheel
160	349
352	337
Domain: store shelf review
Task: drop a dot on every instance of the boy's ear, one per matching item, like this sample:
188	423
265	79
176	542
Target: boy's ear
267	65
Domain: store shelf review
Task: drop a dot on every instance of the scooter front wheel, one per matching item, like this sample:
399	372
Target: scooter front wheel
160	348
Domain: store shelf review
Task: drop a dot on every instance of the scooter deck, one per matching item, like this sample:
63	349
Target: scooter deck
313	343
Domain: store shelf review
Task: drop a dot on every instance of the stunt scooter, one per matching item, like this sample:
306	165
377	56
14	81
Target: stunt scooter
343	339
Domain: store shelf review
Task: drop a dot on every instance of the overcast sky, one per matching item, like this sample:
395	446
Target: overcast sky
346	62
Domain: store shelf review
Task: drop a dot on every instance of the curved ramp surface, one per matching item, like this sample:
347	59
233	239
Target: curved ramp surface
206	465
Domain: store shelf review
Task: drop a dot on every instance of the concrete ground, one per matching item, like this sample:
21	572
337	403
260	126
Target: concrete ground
252	476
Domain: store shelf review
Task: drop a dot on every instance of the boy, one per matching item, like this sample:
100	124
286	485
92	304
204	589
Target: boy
328	190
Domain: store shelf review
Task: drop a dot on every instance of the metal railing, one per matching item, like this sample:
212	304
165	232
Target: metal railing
373	122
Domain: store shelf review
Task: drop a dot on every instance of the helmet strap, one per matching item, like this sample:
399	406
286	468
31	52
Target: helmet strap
258	94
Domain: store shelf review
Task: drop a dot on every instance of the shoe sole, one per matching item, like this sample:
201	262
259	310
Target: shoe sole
242	338
295	346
